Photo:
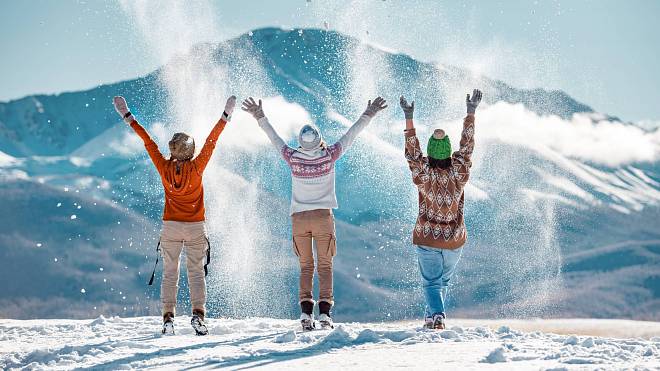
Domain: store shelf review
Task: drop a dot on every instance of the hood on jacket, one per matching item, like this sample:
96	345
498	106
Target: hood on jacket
182	147
309	137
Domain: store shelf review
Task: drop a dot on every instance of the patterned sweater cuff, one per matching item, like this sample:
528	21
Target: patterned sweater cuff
409	132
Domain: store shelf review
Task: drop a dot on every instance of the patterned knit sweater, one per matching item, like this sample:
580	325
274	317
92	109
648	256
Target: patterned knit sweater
313	172
440	220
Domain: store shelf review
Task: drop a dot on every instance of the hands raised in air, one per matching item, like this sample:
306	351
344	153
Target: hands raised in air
473	102
229	106
251	107
373	107
407	108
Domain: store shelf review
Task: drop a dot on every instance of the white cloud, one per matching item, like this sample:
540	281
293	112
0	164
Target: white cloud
600	142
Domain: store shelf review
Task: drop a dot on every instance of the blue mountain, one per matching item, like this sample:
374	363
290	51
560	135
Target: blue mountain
550	234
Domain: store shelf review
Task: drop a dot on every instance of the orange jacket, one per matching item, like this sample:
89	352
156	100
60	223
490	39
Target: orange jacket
184	191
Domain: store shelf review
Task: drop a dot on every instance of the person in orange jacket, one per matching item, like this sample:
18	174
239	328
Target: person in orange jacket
183	215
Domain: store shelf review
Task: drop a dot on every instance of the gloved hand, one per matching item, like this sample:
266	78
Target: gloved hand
474	101
229	108
407	108
122	109
373	108
250	106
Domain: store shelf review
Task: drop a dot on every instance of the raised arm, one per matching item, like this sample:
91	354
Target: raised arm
256	110
152	148
207	150
462	158
372	109
416	162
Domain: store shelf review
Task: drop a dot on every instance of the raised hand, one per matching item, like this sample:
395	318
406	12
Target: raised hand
122	109
473	102
251	107
373	107
229	106
120	106
407	108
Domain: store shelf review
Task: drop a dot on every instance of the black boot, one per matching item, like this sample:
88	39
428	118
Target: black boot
306	318
324	315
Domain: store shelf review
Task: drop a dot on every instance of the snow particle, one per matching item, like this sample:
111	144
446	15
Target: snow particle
38	244
59	204
82	291
73	217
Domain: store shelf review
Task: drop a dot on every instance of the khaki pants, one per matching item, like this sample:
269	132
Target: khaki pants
173	238
317	226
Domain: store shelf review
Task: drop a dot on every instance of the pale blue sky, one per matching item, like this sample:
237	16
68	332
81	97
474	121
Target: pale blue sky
604	53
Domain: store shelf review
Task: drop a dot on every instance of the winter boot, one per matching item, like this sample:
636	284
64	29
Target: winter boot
197	322
168	323
324	315
437	321
306	317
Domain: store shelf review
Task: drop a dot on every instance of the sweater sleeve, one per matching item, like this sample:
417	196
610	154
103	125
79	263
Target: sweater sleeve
416	161
207	151
274	138
461	159
349	137
151	146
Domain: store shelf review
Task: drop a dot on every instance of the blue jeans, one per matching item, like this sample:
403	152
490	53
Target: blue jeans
436	266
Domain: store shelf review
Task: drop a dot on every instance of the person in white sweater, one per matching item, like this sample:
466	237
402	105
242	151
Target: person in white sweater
312	199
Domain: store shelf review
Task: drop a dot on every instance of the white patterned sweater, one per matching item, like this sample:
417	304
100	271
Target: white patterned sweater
313	172
440	221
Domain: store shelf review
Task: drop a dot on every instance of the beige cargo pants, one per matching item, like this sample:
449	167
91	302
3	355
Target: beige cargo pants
316	226
173	238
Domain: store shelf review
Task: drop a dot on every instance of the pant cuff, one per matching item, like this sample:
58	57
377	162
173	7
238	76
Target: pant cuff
169	309
329	301
309	300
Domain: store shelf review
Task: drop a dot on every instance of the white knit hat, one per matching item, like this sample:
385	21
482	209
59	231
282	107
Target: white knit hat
309	137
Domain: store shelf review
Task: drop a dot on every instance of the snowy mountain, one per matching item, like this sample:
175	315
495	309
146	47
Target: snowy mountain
562	208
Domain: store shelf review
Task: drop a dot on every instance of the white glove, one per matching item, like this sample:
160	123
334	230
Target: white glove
251	107
122	109
473	102
229	108
373	108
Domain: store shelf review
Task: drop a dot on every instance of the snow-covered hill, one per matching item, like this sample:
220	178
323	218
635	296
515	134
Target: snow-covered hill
130	343
562	208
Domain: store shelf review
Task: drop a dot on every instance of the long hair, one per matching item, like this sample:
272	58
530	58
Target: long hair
439	164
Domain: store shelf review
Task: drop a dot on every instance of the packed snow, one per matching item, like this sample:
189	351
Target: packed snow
135	343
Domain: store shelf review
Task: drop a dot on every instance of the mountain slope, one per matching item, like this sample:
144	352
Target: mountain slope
559	195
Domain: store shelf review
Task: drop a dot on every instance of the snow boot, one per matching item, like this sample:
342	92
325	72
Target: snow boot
436	322
324	315
168	323
197	323
306	317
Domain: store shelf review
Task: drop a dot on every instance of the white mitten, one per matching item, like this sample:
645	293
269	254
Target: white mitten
229	108
122	109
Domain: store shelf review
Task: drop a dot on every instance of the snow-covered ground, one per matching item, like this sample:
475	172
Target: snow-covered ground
133	343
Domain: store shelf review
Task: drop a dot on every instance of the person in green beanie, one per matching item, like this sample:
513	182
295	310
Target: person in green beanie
439	233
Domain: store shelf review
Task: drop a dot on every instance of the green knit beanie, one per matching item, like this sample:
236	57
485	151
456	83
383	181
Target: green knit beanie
439	149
